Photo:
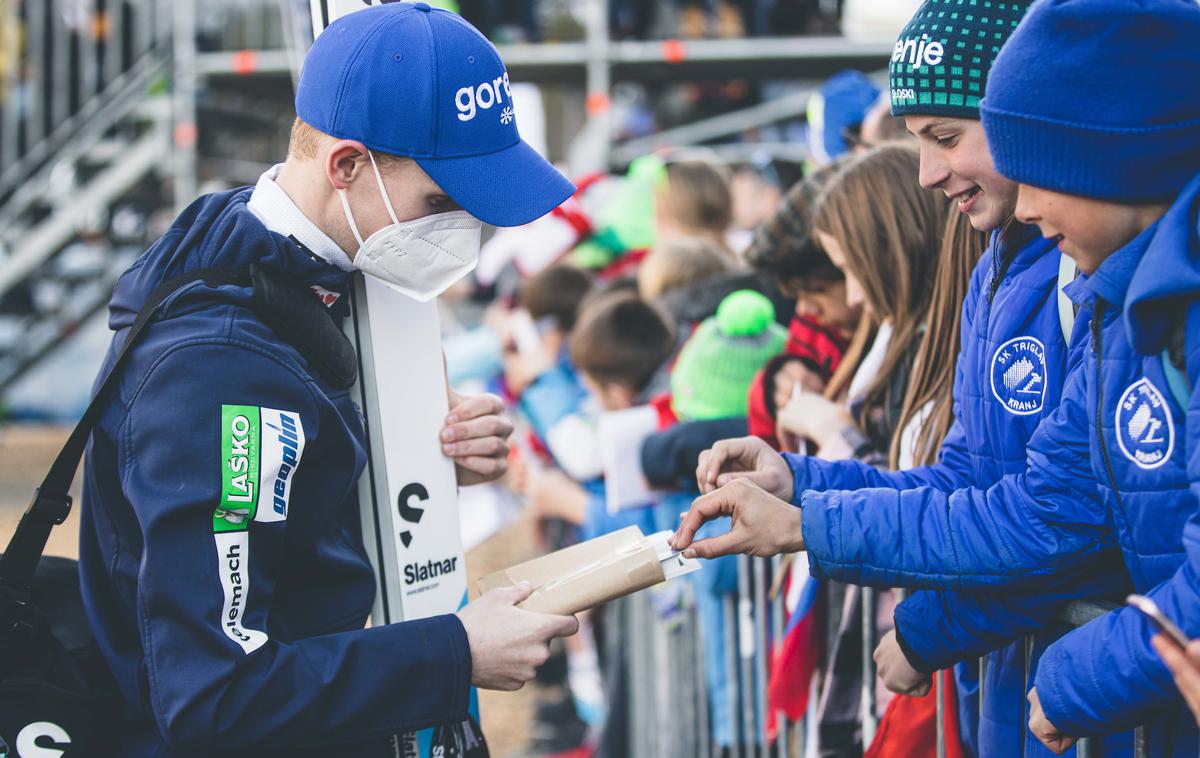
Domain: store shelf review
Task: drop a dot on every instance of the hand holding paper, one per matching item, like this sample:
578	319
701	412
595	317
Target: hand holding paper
507	643
582	576
763	525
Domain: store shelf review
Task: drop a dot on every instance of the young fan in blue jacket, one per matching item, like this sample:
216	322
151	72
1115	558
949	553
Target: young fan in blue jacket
1111	465
221	560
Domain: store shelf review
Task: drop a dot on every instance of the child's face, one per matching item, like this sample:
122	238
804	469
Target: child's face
1087	230
610	395
826	302
856	296
955	159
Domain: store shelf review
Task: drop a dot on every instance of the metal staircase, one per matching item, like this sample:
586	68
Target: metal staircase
84	118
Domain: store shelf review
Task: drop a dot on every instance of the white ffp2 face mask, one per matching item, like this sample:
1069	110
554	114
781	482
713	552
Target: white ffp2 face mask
421	258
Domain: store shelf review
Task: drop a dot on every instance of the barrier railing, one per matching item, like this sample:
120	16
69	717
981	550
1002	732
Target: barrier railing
693	694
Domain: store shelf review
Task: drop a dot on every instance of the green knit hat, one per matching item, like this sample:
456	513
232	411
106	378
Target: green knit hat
941	60
712	376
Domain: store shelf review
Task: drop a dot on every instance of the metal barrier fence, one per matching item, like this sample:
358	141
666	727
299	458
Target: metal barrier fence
674	711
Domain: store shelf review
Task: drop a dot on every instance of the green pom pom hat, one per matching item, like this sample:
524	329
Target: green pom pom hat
712	376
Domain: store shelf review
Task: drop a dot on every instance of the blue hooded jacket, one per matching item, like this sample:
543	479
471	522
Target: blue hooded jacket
221	558
1154	290
1109	467
1011	367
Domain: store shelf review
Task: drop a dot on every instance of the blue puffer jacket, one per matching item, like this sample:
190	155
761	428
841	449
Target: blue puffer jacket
221	556
1013	361
1108	467
1079	690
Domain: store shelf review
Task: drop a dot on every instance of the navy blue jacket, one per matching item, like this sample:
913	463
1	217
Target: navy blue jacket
1108	467
221	560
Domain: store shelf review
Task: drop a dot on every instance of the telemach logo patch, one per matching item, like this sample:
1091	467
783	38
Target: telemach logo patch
260	451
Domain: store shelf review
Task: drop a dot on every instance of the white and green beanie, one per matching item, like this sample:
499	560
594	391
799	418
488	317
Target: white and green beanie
941	60
712	376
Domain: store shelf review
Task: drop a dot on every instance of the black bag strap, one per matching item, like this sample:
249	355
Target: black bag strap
51	501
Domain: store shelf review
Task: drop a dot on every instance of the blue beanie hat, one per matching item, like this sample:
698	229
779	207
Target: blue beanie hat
1099	98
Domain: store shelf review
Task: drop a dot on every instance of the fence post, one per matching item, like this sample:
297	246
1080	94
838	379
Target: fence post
729	607
867	601
761	645
745	646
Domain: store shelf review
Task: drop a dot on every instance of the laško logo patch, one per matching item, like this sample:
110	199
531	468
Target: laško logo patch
1145	431
260	450
1018	375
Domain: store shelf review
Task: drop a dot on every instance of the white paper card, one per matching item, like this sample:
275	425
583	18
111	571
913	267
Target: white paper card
621	436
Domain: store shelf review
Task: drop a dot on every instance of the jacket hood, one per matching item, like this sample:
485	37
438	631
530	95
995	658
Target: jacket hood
216	230
1169	273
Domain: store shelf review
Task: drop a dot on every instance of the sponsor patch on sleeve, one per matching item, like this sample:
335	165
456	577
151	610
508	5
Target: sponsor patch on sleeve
260	451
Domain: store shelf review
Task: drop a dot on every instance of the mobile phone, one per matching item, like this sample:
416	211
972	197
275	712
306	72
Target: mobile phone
1159	621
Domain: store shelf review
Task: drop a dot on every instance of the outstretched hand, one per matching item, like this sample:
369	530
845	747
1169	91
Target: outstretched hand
744	458
762	524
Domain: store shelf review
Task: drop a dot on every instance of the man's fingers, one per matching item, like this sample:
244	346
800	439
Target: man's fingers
922	689
561	626
757	477
704	508
713	460
473	407
485	446
484	466
713	547
516	594
702	471
475	428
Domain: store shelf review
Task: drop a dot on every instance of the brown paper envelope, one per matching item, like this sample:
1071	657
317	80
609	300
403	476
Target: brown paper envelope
582	576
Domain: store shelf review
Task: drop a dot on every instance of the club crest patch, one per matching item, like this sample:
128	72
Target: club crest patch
1145	431
1019	375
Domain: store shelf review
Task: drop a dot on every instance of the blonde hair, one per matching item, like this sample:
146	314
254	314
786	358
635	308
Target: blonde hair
890	231
305	143
679	262
697	198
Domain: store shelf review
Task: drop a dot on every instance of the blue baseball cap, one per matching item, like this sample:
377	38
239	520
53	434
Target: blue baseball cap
420	82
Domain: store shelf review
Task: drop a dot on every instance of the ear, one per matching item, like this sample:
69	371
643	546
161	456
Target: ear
344	162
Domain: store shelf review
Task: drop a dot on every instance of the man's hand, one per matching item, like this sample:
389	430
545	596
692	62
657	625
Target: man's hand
1046	732
897	673
744	458
508	643
1185	665
763	525
476	437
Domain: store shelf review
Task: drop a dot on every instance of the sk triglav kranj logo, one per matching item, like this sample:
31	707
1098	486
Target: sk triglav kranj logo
1145	430
1019	375
260	450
